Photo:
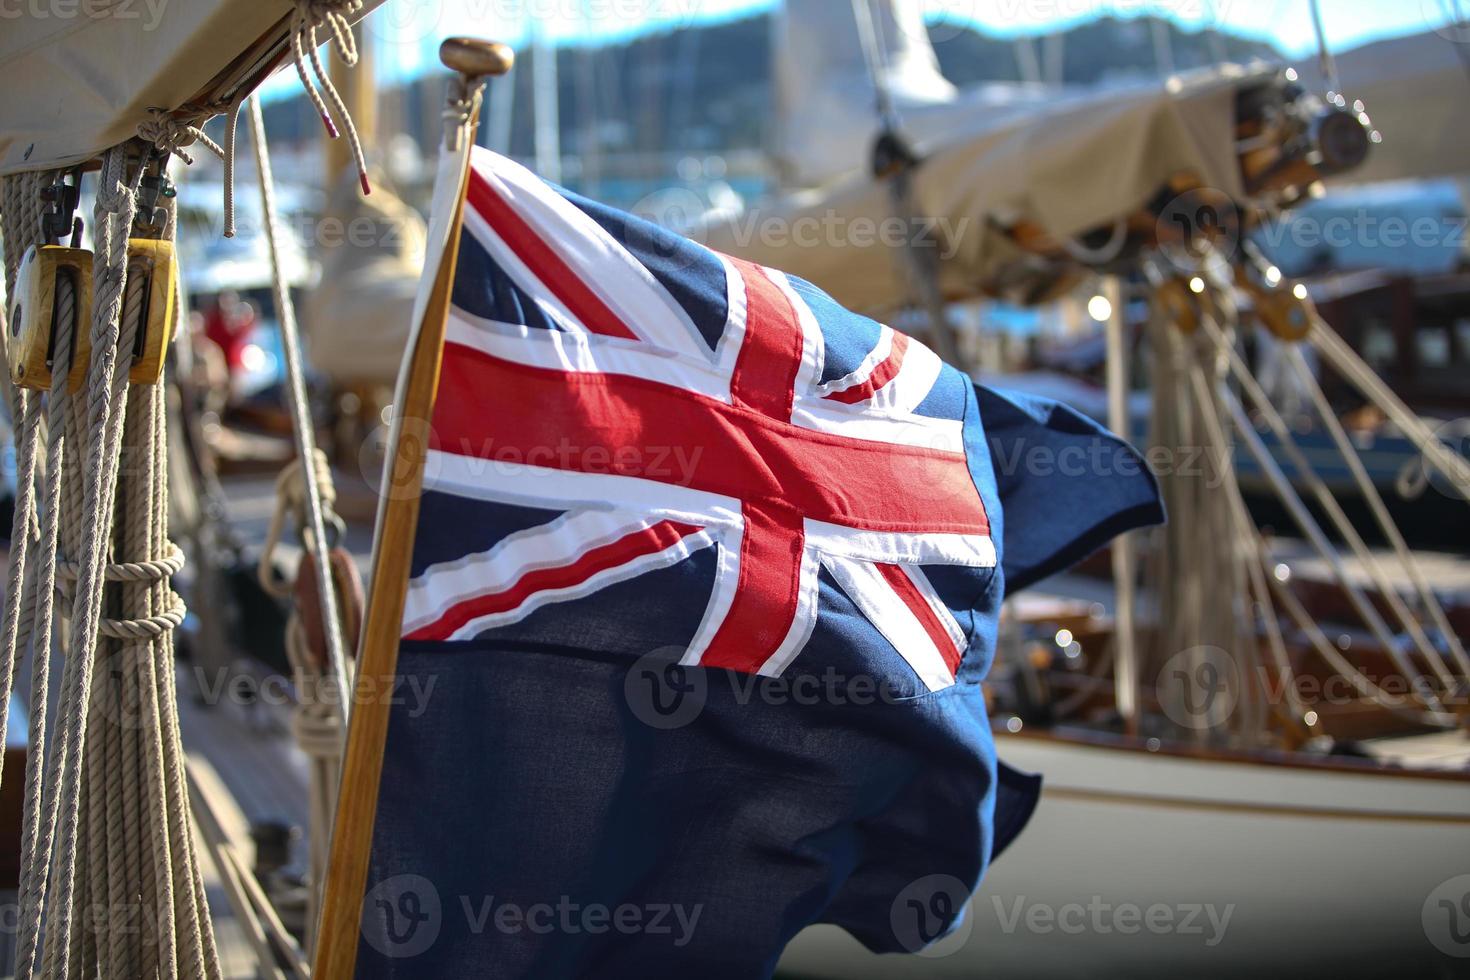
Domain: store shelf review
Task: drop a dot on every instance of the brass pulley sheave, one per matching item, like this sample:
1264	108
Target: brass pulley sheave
1283	307
53	290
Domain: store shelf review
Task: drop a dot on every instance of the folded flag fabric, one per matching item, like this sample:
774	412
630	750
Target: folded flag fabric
704	584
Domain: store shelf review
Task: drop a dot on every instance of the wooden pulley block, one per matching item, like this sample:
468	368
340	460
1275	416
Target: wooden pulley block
153	260
1285	315
348	585
48	273
1285	310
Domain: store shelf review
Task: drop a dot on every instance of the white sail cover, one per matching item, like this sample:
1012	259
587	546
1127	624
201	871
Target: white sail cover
358	318
826	100
825	97
79	77
1078	163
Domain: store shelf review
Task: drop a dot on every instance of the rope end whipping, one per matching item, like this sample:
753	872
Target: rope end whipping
310	15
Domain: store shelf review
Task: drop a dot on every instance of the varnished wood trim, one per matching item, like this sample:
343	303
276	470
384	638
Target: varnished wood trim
1342	765
1230	806
362	766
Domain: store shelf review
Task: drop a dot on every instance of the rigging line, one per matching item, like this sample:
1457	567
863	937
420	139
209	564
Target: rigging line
1325	60
1313	532
1351	366
1330	506
867	29
1370	493
301	424
1199	386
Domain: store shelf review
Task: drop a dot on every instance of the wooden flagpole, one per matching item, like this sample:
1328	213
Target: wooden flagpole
377	661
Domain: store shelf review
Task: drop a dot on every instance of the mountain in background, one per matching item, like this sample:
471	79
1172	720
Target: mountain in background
708	88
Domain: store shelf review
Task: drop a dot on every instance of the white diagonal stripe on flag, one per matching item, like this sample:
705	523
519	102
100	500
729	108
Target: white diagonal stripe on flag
864	370
560	350
600	261
560	542
877	601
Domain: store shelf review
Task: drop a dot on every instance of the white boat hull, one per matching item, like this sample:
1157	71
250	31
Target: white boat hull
1144	864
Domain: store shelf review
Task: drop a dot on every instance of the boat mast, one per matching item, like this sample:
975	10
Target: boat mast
544	104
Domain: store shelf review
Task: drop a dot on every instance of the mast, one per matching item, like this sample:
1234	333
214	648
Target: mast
362	766
547	112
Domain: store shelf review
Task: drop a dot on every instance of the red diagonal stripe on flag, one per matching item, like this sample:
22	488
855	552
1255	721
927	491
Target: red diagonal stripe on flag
543	261
905	589
648	541
882	374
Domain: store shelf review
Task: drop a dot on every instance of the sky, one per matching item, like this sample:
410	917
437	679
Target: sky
405	33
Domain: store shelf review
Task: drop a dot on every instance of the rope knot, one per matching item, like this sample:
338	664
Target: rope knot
334	14
291	483
170	135
114	196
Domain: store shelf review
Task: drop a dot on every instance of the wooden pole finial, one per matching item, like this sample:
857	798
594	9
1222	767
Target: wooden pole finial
476	58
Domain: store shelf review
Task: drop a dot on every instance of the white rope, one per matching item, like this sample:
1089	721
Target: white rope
1102	254
1427	597
1245	530
27	428
106	825
22	212
1325	498
318	728
106	385
301	424
1346	362
291	501
1198	572
1313	532
170	135
1261	553
308	17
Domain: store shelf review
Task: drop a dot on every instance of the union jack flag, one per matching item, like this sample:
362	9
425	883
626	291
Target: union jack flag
617	405
641	450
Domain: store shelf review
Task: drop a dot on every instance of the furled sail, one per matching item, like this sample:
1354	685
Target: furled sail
77	85
1066	167
826	89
